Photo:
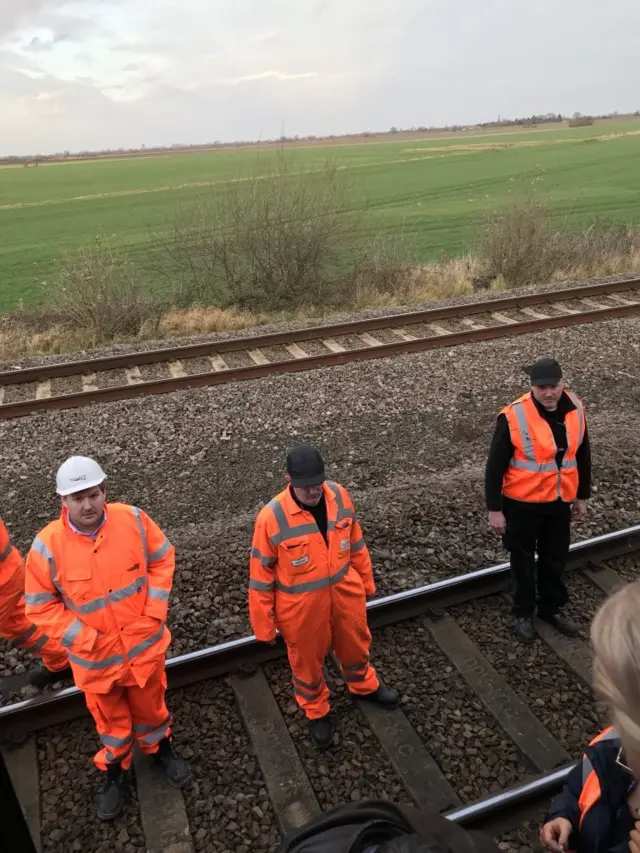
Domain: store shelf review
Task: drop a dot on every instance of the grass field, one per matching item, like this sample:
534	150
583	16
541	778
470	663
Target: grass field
432	190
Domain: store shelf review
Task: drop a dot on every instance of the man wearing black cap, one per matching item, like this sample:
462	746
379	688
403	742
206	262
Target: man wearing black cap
310	575
538	475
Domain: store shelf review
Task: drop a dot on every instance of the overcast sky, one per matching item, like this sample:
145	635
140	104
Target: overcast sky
78	74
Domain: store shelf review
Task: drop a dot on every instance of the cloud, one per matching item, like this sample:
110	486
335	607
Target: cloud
124	72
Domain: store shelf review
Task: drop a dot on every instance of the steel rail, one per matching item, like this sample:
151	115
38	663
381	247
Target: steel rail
487	813
113	362
246	653
297	365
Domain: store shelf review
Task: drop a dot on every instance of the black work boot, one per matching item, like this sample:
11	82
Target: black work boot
524	629
43	677
383	696
322	731
110	798
562	624
176	769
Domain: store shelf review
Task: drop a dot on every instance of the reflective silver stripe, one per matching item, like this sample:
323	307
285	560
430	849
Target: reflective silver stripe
285	531
88	607
111	758
160	552
143	730
302	683
127	591
569	463
354	667
523	427
576	402
262	586
343	512
39	643
320	583
100	603
117	742
138	517
33	599
305	694
71	633
146	644
26	635
268	562
105	663
40	548
355	676
6	552
537	467
357	546
157	735
587	769
158	593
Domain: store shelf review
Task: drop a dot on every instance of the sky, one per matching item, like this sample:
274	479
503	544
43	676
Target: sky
95	74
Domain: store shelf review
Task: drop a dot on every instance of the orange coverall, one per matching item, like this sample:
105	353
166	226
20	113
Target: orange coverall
105	598
14	625
314	592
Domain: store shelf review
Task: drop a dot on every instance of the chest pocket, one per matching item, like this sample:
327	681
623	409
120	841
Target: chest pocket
79	572
343	534
296	556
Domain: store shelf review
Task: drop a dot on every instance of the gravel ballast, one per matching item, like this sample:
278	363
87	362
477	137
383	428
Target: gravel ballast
68	783
408	436
471	749
562	703
227	806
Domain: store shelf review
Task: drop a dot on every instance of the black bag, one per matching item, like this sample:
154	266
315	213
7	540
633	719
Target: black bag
356	827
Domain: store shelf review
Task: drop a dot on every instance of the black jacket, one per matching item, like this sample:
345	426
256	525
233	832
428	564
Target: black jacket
360	826
502	450
607	824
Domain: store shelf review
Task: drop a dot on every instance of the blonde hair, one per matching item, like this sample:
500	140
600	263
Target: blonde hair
615	636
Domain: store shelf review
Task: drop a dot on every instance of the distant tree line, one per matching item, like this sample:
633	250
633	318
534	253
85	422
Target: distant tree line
576	120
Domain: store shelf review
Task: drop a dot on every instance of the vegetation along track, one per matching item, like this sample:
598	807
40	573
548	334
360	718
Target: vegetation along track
78	383
485	733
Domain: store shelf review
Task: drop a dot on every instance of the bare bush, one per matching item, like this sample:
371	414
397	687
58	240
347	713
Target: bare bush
271	242
518	243
100	293
523	244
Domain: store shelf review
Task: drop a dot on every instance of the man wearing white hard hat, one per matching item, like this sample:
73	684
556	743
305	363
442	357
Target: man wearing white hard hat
98	580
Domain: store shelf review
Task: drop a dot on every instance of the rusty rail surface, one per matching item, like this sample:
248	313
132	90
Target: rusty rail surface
221	374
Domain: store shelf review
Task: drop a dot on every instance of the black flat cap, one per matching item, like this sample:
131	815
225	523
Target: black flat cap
545	371
305	466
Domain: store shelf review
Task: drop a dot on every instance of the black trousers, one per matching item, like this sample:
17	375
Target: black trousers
544	529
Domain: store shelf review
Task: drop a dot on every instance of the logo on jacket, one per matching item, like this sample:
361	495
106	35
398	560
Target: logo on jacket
344	544
300	561
134	567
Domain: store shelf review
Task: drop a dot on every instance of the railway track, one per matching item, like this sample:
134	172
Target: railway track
471	739
79	383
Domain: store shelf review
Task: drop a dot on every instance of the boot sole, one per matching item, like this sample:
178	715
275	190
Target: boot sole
111	816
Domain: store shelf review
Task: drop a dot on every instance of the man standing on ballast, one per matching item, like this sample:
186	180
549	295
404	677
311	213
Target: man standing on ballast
538	477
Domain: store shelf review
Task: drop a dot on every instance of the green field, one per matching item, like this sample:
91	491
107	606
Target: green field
432	190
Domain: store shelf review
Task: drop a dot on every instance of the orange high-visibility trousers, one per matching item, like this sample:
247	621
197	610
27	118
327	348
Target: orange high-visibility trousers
19	630
128	713
336	620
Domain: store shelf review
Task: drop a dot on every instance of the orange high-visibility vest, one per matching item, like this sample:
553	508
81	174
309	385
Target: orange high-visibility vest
291	563
533	474
106	600
13	624
591	791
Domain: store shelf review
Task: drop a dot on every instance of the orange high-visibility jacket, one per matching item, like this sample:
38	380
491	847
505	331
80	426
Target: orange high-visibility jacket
591	791
13	624
291	562
105	601
532	474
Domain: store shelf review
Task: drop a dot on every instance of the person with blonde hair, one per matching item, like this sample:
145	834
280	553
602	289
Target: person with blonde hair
599	806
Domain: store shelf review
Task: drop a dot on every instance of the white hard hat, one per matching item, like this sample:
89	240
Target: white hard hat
78	473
